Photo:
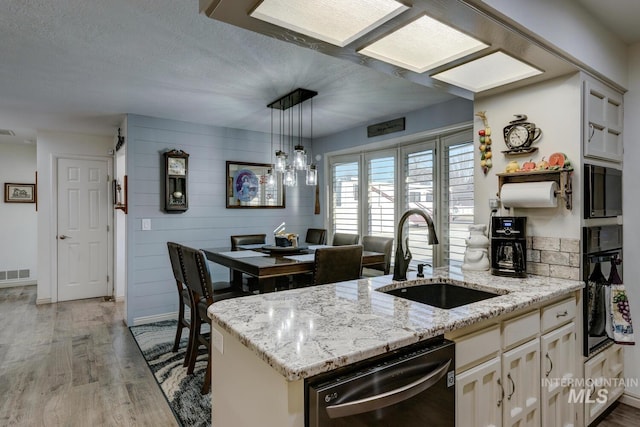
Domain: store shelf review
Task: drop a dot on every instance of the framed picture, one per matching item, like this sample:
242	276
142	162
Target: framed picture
248	186
19	193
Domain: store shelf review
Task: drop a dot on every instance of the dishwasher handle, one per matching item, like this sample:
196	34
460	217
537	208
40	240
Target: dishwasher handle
388	398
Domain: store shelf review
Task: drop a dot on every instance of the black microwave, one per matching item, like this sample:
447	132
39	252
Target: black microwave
602	191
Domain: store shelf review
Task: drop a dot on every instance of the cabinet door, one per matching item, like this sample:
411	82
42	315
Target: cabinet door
521	379
595	372
615	368
603	112
479	396
557	365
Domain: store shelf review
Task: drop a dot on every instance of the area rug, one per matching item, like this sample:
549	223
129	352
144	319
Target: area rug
182	391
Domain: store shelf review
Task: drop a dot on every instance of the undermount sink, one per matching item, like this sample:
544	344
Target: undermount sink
441	295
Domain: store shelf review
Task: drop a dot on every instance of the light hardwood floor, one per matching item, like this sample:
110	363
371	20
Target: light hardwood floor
76	364
73	364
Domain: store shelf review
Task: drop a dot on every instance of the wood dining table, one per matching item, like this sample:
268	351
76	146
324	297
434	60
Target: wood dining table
267	264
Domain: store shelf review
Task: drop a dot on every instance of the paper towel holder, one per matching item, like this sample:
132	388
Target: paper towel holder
561	177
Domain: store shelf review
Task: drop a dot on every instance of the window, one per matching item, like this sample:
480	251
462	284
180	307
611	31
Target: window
434	175
344	188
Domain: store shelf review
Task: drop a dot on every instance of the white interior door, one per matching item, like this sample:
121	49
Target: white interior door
82	229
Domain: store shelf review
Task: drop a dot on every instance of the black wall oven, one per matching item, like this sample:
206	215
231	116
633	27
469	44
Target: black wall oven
602	248
602	192
405	388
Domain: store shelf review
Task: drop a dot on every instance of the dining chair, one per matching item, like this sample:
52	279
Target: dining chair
247	239
378	244
175	256
198	281
337	263
340	239
316	236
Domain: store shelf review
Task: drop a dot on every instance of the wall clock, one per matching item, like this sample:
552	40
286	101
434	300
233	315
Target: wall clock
175	185
519	134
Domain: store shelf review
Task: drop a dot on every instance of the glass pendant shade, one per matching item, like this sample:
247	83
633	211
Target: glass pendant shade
281	161
271	178
312	175
299	158
290	177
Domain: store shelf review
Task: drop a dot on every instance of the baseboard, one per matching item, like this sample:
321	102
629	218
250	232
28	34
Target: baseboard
18	284
41	301
120	299
630	400
152	319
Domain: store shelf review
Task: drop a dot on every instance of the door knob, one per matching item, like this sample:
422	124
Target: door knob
62	237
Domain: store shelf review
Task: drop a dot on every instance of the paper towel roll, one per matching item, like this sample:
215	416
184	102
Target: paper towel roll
541	194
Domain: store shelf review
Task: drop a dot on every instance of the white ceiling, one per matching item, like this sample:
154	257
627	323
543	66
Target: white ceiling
79	65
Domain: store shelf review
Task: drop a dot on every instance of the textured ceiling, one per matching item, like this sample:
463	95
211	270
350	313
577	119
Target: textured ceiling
78	65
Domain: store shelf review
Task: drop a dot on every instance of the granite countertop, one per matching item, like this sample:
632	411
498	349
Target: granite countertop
308	331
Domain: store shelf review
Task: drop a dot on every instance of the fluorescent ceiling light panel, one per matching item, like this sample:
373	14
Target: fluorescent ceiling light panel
485	73
422	45
338	22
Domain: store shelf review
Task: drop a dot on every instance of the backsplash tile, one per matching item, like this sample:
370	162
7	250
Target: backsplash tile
553	257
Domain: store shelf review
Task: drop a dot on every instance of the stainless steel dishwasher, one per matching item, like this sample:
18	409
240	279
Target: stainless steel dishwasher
409	387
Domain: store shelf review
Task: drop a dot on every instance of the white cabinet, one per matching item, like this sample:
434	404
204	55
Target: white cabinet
479	395
521	382
500	367
602	121
604	381
558	365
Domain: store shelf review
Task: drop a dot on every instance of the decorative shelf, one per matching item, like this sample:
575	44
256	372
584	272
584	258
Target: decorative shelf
521	152
562	177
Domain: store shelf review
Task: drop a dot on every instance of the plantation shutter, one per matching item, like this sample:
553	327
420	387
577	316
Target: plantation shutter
458	196
345	191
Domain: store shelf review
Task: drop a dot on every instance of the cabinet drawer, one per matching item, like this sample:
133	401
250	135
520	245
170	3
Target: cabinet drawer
477	346
558	314
520	329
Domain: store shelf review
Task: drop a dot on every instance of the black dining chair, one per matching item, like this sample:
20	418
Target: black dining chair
337	263
202	294
175	255
247	239
316	236
378	244
340	239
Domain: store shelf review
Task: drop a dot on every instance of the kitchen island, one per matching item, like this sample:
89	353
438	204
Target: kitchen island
264	346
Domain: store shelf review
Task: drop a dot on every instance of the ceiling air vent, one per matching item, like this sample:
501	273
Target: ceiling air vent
7	132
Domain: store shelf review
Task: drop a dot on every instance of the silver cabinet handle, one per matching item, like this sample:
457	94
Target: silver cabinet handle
550	363
564	313
592	131
502	390
513	385
62	237
388	398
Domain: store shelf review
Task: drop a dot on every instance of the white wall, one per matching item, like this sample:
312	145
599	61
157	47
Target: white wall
120	221
554	106
631	207
52	145
19	227
566	25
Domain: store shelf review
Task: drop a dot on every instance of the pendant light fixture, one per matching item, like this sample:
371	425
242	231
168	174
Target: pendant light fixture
293	125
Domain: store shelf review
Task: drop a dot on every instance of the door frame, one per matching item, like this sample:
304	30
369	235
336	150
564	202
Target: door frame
53	220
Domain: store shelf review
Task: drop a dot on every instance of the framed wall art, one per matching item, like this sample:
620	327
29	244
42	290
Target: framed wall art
248	186
19	193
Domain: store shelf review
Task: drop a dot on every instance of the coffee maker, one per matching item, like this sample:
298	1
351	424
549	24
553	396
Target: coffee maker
509	246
